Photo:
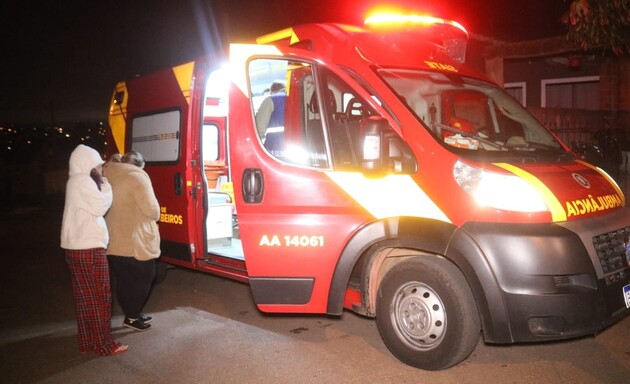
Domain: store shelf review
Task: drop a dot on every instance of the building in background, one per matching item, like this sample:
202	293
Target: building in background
576	93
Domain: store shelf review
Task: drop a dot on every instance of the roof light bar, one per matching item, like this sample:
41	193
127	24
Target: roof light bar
392	19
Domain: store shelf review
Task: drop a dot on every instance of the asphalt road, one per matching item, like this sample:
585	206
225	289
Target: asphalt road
207	330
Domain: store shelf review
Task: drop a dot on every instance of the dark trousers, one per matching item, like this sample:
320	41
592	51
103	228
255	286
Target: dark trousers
133	281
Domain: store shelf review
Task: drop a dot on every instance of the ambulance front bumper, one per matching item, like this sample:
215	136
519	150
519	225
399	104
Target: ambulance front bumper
548	281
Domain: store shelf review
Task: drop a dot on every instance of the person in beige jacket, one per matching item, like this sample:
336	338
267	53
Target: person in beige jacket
134	239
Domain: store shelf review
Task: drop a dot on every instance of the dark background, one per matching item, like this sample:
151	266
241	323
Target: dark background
61	59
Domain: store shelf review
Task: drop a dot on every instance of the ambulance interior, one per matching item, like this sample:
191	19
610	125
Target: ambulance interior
471	114
221	222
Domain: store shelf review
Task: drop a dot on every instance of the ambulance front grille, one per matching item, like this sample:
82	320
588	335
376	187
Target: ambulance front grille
611	250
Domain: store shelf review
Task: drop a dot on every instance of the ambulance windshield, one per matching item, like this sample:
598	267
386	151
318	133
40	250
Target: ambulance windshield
473	117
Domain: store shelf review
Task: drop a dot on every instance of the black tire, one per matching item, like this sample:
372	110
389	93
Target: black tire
426	313
161	269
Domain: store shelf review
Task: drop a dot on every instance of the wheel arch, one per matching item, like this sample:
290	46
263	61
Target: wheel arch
365	250
467	255
380	245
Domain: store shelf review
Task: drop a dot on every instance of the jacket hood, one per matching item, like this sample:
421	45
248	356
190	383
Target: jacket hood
83	159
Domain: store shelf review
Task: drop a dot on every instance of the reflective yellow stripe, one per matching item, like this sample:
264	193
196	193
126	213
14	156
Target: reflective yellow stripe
552	202
389	196
279	35
607	177
183	74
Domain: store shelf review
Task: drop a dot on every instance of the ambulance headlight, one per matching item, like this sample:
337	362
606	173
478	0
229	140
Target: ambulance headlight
500	191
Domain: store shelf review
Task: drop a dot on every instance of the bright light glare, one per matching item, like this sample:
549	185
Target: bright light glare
500	191
217	90
296	154
218	82
392	19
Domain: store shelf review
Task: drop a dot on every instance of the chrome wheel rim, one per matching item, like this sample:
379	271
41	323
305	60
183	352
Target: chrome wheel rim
418	316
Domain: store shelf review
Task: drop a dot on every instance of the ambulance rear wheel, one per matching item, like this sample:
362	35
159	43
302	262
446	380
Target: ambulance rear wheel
426	313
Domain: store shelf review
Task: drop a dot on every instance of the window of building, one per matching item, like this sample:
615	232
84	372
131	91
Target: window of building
574	93
518	91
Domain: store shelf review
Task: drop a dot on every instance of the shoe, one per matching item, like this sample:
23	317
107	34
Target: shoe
121	349
145	319
136	325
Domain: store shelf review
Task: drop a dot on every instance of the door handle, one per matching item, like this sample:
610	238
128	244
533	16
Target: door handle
253	186
178	182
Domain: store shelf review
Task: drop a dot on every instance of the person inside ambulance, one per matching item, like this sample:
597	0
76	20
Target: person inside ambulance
270	117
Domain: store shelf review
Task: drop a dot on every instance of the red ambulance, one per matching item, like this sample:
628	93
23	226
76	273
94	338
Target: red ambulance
385	177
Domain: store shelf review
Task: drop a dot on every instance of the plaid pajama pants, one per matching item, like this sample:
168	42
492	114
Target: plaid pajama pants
92	299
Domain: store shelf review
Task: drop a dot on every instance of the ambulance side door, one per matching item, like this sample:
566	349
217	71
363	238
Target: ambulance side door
294	220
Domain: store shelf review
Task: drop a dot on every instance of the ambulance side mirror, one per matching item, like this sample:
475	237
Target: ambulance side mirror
372	147
383	151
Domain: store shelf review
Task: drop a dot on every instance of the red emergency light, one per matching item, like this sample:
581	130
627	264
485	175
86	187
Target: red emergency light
448	36
396	20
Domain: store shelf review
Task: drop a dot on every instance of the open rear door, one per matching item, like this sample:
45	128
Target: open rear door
161	111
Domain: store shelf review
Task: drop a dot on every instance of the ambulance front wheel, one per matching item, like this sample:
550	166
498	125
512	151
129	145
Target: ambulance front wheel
426	313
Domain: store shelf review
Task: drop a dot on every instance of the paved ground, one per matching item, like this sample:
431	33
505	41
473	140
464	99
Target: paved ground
207	330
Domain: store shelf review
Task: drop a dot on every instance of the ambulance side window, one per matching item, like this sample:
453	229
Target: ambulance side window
210	145
283	94
157	135
345	111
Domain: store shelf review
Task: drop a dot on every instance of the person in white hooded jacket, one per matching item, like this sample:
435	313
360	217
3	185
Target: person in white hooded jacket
84	238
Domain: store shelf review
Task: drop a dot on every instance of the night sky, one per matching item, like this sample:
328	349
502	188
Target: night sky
61	59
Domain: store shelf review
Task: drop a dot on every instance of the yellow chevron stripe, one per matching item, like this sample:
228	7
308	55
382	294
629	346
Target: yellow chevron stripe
116	117
389	196
607	177
279	35
552	202
183	74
